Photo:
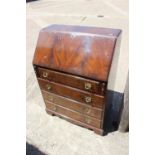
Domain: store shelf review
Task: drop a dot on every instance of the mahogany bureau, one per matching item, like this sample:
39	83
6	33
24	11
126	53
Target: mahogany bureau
72	65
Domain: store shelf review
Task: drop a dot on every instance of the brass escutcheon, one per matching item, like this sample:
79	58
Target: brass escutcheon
88	86
87	120
48	86
87	111
102	89
87	99
45	74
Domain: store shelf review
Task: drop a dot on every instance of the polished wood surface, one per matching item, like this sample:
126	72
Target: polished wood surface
73	81
73	105
73	114
72	93
83	51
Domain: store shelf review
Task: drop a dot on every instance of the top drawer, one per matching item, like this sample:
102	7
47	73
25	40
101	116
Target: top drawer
71	80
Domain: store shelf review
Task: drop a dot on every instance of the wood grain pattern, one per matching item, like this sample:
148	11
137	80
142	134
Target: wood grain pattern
82	51
73	105
73	81
72	93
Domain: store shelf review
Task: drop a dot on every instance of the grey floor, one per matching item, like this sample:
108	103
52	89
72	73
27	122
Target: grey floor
52	135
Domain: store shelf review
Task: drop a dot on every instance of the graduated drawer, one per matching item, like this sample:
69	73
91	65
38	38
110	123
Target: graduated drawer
73	114
72	93
73	105
71	80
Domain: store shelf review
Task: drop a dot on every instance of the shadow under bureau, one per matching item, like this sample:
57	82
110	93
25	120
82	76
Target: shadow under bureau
72	65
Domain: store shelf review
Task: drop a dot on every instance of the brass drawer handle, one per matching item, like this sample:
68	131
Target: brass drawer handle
87	120
88	86
88	99
48	87
45	74
54	108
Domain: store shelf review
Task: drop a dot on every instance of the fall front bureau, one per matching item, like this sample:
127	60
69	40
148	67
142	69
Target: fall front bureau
72	65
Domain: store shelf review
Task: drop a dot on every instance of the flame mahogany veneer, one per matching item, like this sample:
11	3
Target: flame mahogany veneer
72	65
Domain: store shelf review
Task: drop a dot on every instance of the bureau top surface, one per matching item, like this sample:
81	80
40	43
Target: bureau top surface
79	50
83	30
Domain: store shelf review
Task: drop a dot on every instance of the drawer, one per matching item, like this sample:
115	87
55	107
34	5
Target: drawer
72	93
73	114
73	81
72	104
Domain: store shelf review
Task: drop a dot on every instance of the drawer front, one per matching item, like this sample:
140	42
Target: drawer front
72	93
73	81
73	114
72	104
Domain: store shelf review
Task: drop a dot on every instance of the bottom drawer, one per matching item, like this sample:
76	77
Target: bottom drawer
73	114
